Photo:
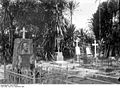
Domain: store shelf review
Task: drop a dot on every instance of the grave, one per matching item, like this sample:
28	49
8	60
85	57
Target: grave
88	56
88	51
59	54
95	49
77	51
23	55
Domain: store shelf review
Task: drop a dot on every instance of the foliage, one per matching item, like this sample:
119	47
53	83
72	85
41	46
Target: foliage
84	37
105	29
43	20
68	43
71	6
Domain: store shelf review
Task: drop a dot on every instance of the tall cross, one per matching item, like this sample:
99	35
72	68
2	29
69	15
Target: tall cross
23	35
95	45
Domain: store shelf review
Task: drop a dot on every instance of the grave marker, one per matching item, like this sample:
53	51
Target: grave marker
59	53
23	35
77	50
23	53
88	51
95	49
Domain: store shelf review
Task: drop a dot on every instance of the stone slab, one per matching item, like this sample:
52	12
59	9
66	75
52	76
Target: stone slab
21	45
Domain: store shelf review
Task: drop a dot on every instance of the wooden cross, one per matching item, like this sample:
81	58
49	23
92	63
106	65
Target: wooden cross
95	45
23	35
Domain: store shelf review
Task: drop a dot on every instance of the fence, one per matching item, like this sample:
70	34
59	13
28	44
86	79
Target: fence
47	75
16	78
43	75
52	75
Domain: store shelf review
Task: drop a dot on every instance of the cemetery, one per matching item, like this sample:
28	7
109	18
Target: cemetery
44	54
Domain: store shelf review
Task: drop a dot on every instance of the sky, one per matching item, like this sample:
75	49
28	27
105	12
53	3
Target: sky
84	12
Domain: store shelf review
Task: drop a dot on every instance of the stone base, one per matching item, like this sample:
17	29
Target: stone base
59	56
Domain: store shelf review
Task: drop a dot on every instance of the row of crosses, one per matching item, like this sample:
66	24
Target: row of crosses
94	44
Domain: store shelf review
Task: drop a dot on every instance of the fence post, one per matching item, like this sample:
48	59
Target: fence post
34	76
41	74
67	74
4	69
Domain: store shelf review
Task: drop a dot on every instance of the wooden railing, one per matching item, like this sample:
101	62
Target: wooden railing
47	75
16	78
52	75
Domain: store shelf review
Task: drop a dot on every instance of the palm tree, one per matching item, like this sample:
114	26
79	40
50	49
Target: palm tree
72	7
55	27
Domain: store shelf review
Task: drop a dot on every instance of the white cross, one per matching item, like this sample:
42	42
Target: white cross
95	45
23	36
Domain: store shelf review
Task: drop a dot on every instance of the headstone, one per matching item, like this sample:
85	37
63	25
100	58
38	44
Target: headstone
77	50
88	51
88	58
59	54
23	56
23	53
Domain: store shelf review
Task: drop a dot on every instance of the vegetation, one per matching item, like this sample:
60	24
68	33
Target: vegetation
72	7
105	25
85	37
43	20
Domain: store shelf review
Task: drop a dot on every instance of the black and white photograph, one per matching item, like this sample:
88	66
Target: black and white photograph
59	42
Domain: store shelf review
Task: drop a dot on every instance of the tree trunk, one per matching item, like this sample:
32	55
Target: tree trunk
71	16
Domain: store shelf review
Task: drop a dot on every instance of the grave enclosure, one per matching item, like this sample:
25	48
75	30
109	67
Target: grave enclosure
23	64
23	69
44	75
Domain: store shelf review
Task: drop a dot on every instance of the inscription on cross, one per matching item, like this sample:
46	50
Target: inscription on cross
23	35
95	49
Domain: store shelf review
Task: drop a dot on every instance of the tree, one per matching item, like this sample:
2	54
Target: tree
44	20
68	42
72	7
107	34
84	39
12	13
